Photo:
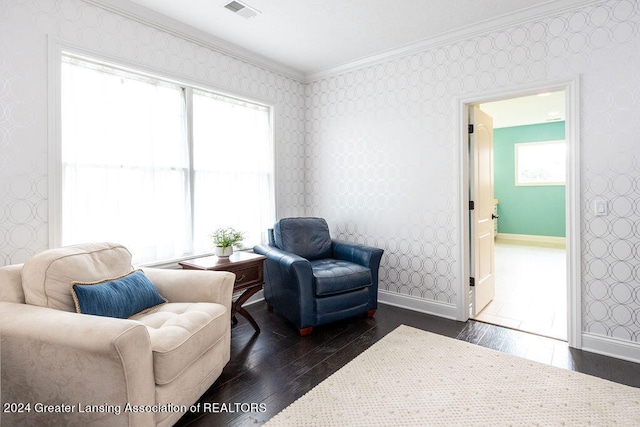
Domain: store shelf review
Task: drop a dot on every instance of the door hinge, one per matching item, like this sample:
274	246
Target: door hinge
472	205
470	128
472	281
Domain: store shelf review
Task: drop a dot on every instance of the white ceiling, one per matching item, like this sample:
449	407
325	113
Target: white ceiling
315	36
312	36
527	110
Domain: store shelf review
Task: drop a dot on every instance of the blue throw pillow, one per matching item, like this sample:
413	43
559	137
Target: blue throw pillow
121	297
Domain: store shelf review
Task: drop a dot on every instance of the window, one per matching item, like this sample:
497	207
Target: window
541	163
157	166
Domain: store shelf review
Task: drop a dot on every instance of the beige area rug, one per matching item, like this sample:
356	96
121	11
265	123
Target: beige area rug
416	378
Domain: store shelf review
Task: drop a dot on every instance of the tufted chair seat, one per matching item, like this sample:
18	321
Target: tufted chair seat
333	276
180	333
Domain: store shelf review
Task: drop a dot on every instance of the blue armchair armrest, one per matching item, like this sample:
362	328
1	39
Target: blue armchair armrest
286	287
366	256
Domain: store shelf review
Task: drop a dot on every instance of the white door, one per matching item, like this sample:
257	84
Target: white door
482	232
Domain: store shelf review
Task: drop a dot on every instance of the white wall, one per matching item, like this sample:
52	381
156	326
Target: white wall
373	149
26	25
383	158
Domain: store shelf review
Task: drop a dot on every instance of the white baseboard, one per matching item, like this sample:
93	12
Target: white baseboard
526	239
397	300
448	311
607	346
257	297
613	347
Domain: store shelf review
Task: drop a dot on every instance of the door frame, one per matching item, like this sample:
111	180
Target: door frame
572	189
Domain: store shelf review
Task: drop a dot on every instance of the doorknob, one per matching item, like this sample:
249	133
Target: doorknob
494	216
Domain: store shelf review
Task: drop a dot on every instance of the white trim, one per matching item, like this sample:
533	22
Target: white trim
572	203
436	308
572	126
176	28
56	49
531	13
257	297
57	46
613	347
54	138
528	238
462	136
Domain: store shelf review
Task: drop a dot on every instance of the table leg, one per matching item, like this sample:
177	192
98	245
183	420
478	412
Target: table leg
236	307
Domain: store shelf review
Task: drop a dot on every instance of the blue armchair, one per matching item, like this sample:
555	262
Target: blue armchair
312	279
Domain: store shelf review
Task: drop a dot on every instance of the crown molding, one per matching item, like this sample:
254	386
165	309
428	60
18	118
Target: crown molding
480	28
174	27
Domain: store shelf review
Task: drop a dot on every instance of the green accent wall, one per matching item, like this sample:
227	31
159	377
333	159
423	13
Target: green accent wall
531	210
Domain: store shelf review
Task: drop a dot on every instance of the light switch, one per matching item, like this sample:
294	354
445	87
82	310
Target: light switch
600	207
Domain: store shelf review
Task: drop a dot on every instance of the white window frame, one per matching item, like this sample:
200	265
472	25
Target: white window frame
57	49
519	182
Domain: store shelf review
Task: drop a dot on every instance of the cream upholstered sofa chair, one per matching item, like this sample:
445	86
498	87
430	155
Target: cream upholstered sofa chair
142	371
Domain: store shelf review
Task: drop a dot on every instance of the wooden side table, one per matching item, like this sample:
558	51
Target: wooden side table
249	270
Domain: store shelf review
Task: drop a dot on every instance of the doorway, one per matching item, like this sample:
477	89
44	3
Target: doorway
565	264
528	220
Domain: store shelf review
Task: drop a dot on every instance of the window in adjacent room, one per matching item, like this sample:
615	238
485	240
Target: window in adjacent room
158	165
541	163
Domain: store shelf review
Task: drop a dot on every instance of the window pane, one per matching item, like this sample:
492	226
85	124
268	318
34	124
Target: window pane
127	170
124	161
541	163
233	168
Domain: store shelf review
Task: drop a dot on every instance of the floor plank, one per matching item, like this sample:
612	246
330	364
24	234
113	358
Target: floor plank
277	366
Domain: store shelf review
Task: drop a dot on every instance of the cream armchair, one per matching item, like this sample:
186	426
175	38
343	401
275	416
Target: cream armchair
59	367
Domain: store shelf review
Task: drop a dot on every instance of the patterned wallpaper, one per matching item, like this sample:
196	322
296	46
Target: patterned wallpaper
382	157
374	149
25	26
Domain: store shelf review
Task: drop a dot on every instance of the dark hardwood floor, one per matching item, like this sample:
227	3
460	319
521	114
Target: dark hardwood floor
277	366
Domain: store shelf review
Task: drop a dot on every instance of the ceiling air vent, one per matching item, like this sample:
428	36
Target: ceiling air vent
242	9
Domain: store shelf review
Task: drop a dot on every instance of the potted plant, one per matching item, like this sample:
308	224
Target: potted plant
225	239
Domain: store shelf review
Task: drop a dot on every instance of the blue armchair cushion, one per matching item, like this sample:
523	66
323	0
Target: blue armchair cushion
305	237
334	276
121	297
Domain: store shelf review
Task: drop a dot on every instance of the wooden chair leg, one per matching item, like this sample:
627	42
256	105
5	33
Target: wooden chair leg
306	331
370	313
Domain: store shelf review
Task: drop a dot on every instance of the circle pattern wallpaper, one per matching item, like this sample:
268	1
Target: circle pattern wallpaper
372	149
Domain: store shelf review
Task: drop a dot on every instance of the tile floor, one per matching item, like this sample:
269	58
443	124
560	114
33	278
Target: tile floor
531	290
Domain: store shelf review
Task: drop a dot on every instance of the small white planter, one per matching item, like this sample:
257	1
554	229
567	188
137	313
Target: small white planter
223	252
